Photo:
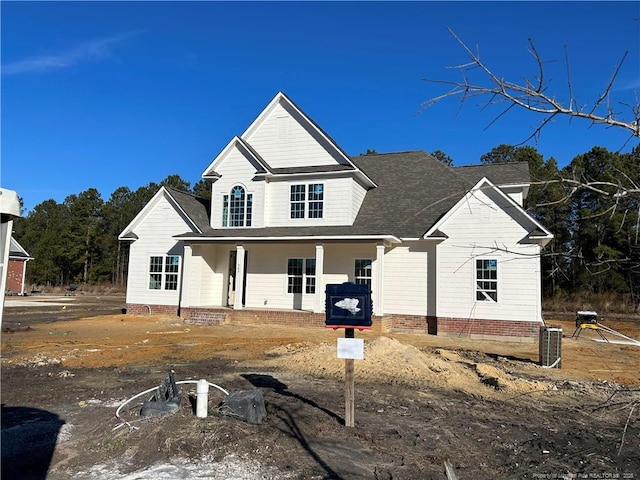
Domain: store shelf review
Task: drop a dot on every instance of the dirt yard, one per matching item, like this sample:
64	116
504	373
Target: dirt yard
487	407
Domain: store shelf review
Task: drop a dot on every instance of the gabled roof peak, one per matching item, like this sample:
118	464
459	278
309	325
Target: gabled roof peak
247	140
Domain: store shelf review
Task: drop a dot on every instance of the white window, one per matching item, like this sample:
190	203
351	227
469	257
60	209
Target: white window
362	271
237	208
163	272
486	280
301	272
316	200
297	201
307	200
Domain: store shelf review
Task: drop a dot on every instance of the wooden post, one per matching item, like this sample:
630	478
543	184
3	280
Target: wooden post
349	387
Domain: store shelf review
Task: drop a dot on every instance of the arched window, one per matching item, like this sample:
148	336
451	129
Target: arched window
236	208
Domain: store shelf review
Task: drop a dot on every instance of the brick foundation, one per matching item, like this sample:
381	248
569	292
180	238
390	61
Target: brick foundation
493	329
139	309
405	323
227	316
458	327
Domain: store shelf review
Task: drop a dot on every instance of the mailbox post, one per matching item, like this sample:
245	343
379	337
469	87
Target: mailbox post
349	385
348	306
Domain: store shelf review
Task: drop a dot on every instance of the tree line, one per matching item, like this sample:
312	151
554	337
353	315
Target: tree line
76	241
592	207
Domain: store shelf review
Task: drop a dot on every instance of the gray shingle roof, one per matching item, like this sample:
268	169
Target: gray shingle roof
196	208
414	191
501	174
16	251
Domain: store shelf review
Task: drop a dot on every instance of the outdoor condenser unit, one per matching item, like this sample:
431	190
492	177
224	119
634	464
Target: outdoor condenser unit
550	347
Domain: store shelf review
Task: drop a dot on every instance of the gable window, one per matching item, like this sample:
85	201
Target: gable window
362	274
307	200
237	208
301	274
487	280
163	272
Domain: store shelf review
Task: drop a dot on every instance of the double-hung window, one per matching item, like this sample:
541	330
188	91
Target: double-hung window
297	201
301	275
316	200
163	272
237	208
307	200
362	271
486	280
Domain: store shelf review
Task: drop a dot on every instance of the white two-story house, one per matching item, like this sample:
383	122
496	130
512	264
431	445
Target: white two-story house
446	250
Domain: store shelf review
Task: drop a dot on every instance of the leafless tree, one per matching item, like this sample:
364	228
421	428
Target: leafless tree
532	94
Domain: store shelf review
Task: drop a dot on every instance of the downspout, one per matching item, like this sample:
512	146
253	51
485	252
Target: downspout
24	273
181	279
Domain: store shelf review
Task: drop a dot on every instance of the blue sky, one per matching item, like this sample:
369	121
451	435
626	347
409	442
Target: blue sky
110	94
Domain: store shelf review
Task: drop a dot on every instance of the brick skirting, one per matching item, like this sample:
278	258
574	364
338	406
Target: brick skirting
227	316
406	323
478	328
139	309
458	327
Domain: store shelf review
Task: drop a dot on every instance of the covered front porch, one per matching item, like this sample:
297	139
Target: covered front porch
278	276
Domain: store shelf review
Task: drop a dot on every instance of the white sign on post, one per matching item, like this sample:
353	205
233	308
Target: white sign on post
351	348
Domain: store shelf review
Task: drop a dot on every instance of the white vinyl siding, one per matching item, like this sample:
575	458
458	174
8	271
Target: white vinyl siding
336	203
516	194
236	171
283	142
357	197
267	276
405	279
155	239
472	235
205	284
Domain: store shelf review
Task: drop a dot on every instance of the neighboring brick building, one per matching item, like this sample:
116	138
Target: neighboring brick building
18	258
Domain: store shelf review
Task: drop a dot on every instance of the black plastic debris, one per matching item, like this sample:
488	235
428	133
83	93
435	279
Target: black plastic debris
165	401
246	405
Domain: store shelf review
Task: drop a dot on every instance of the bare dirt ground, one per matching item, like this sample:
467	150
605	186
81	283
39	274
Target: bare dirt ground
486	406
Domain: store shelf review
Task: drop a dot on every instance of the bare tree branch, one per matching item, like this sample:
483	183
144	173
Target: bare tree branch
532	95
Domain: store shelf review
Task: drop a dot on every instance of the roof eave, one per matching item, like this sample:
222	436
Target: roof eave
203	238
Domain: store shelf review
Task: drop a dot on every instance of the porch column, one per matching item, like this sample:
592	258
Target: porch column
186	262
320	296
377	294
240	266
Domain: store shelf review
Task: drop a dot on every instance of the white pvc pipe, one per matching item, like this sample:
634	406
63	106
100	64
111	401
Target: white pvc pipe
177	383
210	384
202	398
